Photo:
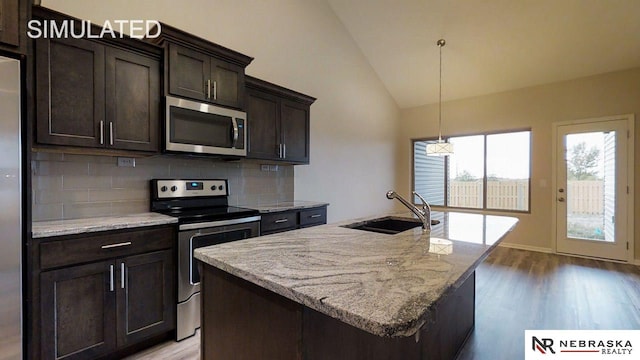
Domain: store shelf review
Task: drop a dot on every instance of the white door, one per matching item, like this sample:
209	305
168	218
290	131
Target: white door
592	179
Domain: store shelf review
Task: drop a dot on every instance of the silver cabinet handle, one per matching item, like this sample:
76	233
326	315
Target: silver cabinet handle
284	151
280	221
209	89
110	132
115	245
122	277
110	277
315	216
215	90
101	132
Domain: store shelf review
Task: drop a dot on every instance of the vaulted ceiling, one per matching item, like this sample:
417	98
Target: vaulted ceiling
492	45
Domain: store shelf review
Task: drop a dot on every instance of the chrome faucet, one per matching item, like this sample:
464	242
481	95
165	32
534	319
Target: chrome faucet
423	214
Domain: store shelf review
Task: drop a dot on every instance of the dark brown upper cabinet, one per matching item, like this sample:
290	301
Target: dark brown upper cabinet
13	19
201	70
102	93
277	122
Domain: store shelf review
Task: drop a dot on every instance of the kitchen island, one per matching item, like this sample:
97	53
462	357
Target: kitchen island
341	293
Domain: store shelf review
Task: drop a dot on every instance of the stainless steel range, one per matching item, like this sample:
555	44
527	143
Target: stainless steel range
204	218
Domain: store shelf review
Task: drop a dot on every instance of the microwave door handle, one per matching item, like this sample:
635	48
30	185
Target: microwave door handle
235	131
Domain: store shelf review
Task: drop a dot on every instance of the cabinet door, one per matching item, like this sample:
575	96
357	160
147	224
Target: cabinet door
295	131
145	300
228	84
189	73
133	101
78	311
263	113
9	22
69	92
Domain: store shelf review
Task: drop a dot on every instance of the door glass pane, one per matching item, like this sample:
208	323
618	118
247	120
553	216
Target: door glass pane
508	171
428	172
590	159
466	171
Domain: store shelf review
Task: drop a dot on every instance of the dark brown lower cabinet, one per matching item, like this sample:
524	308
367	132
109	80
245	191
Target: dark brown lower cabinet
89	311
281	221
78	312
144	304
101	295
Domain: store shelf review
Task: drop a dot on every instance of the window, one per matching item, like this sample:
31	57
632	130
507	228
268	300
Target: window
486	171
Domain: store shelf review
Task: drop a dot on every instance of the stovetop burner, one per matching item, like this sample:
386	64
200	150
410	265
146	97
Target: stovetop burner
210	214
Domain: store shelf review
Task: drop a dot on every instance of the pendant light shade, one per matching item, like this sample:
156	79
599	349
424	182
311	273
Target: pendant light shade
440	148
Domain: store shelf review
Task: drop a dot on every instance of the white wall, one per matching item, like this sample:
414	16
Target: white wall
303	46
536	108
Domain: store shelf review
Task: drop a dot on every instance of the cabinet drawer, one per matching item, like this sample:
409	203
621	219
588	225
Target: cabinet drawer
314	216
279	221
74	249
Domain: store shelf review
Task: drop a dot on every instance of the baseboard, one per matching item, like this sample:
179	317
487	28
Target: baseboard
636	262
527	247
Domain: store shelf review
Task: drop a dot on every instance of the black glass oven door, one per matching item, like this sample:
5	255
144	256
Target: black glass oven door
207	239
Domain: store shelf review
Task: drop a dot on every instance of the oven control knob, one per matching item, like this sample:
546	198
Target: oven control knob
213	187
174	188
163	189
220	187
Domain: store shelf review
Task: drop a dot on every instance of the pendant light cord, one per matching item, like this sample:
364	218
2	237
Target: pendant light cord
440	44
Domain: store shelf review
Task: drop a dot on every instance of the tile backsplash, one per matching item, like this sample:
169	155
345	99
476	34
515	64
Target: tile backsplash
69	186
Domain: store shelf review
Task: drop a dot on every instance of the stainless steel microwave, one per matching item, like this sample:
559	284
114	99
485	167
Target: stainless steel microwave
201	128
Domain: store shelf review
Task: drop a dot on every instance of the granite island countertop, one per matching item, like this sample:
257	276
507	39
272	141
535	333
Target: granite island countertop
383	284
42	229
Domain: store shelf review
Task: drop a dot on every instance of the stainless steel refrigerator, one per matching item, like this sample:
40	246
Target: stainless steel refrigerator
11	218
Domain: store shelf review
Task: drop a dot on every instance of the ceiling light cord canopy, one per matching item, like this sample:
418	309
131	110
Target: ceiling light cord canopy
440	148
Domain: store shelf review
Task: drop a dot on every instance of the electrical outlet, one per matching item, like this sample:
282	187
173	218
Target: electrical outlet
264	167
126	162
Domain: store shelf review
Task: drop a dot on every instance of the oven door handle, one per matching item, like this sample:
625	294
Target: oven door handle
202	225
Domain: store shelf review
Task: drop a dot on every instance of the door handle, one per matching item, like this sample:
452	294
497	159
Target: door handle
209	89
101	132
280	221
215	90
111	277
122	277
561	199
284	150
235	131
110	132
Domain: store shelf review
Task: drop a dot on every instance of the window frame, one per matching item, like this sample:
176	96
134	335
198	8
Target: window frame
484	178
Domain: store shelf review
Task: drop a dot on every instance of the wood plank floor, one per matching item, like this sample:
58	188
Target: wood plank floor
518	290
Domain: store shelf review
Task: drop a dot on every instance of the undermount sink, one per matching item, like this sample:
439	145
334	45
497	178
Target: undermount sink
388	225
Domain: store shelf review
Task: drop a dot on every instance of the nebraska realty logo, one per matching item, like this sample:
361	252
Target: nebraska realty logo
581	344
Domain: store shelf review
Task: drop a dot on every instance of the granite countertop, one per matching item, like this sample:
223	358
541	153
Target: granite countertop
287	205
41	229
382	284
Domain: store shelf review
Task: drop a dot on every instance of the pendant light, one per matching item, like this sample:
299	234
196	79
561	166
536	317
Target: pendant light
440	148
